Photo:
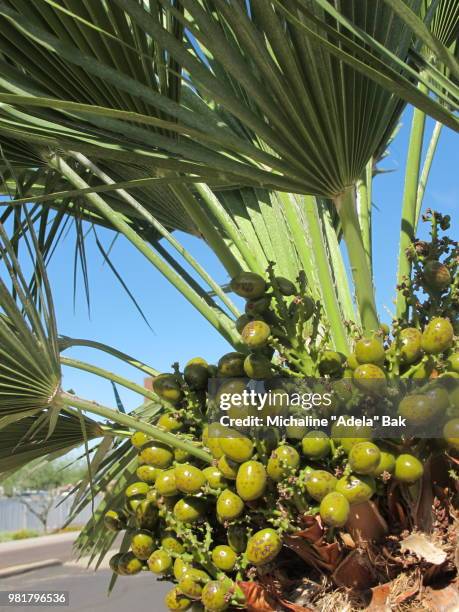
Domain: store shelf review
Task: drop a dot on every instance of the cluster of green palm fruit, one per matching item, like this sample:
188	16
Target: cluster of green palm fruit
208	526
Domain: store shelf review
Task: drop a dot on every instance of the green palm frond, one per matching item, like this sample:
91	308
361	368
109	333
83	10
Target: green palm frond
270	99
445	22
114	473
29	356
27	439
294	97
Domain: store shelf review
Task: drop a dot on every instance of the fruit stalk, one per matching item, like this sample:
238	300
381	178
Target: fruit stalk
134	423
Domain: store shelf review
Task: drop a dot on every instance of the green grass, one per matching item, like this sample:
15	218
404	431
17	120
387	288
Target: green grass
22	534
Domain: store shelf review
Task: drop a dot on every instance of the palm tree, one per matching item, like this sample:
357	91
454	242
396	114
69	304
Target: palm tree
257	126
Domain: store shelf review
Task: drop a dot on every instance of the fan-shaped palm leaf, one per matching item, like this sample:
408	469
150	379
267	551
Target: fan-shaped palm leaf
26	440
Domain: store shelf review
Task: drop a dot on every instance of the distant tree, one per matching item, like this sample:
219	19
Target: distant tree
40	505
43	477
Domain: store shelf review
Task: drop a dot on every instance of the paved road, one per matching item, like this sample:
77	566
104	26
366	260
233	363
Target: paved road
88	590
37	549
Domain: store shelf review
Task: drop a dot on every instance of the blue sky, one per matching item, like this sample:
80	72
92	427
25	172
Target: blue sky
179	332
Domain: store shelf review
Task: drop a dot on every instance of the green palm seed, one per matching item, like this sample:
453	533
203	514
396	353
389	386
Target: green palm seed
168	388
189	479
408	468
370	350
451	433
255	334
440	398
356	488
241	322
417	409
334	509
142	545
352	362
166	484
229	392
132	503
452	363
316	445
251	480
436	275
137	489
285	286
175	600
342	389
237	448
283	462
169	423
410	345
190	509
229	506
257	366
196	374
216	595
114	563
148	473
320	483
454	399
437	336
180	568
331	364
231	365
214	477
188	587
114	521
196	574
157	454
139	439
386	464
129	565
146	514
370	378
350	435
257	308
224	558
263	546
211	440
296	432
237	538
228	468
170	544
384	329
248	285
364	457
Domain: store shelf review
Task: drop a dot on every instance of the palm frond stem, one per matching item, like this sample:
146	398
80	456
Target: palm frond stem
223	325
361	273
409	205
88	367
135	424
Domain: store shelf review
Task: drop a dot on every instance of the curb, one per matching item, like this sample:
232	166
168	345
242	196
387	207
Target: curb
15	570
